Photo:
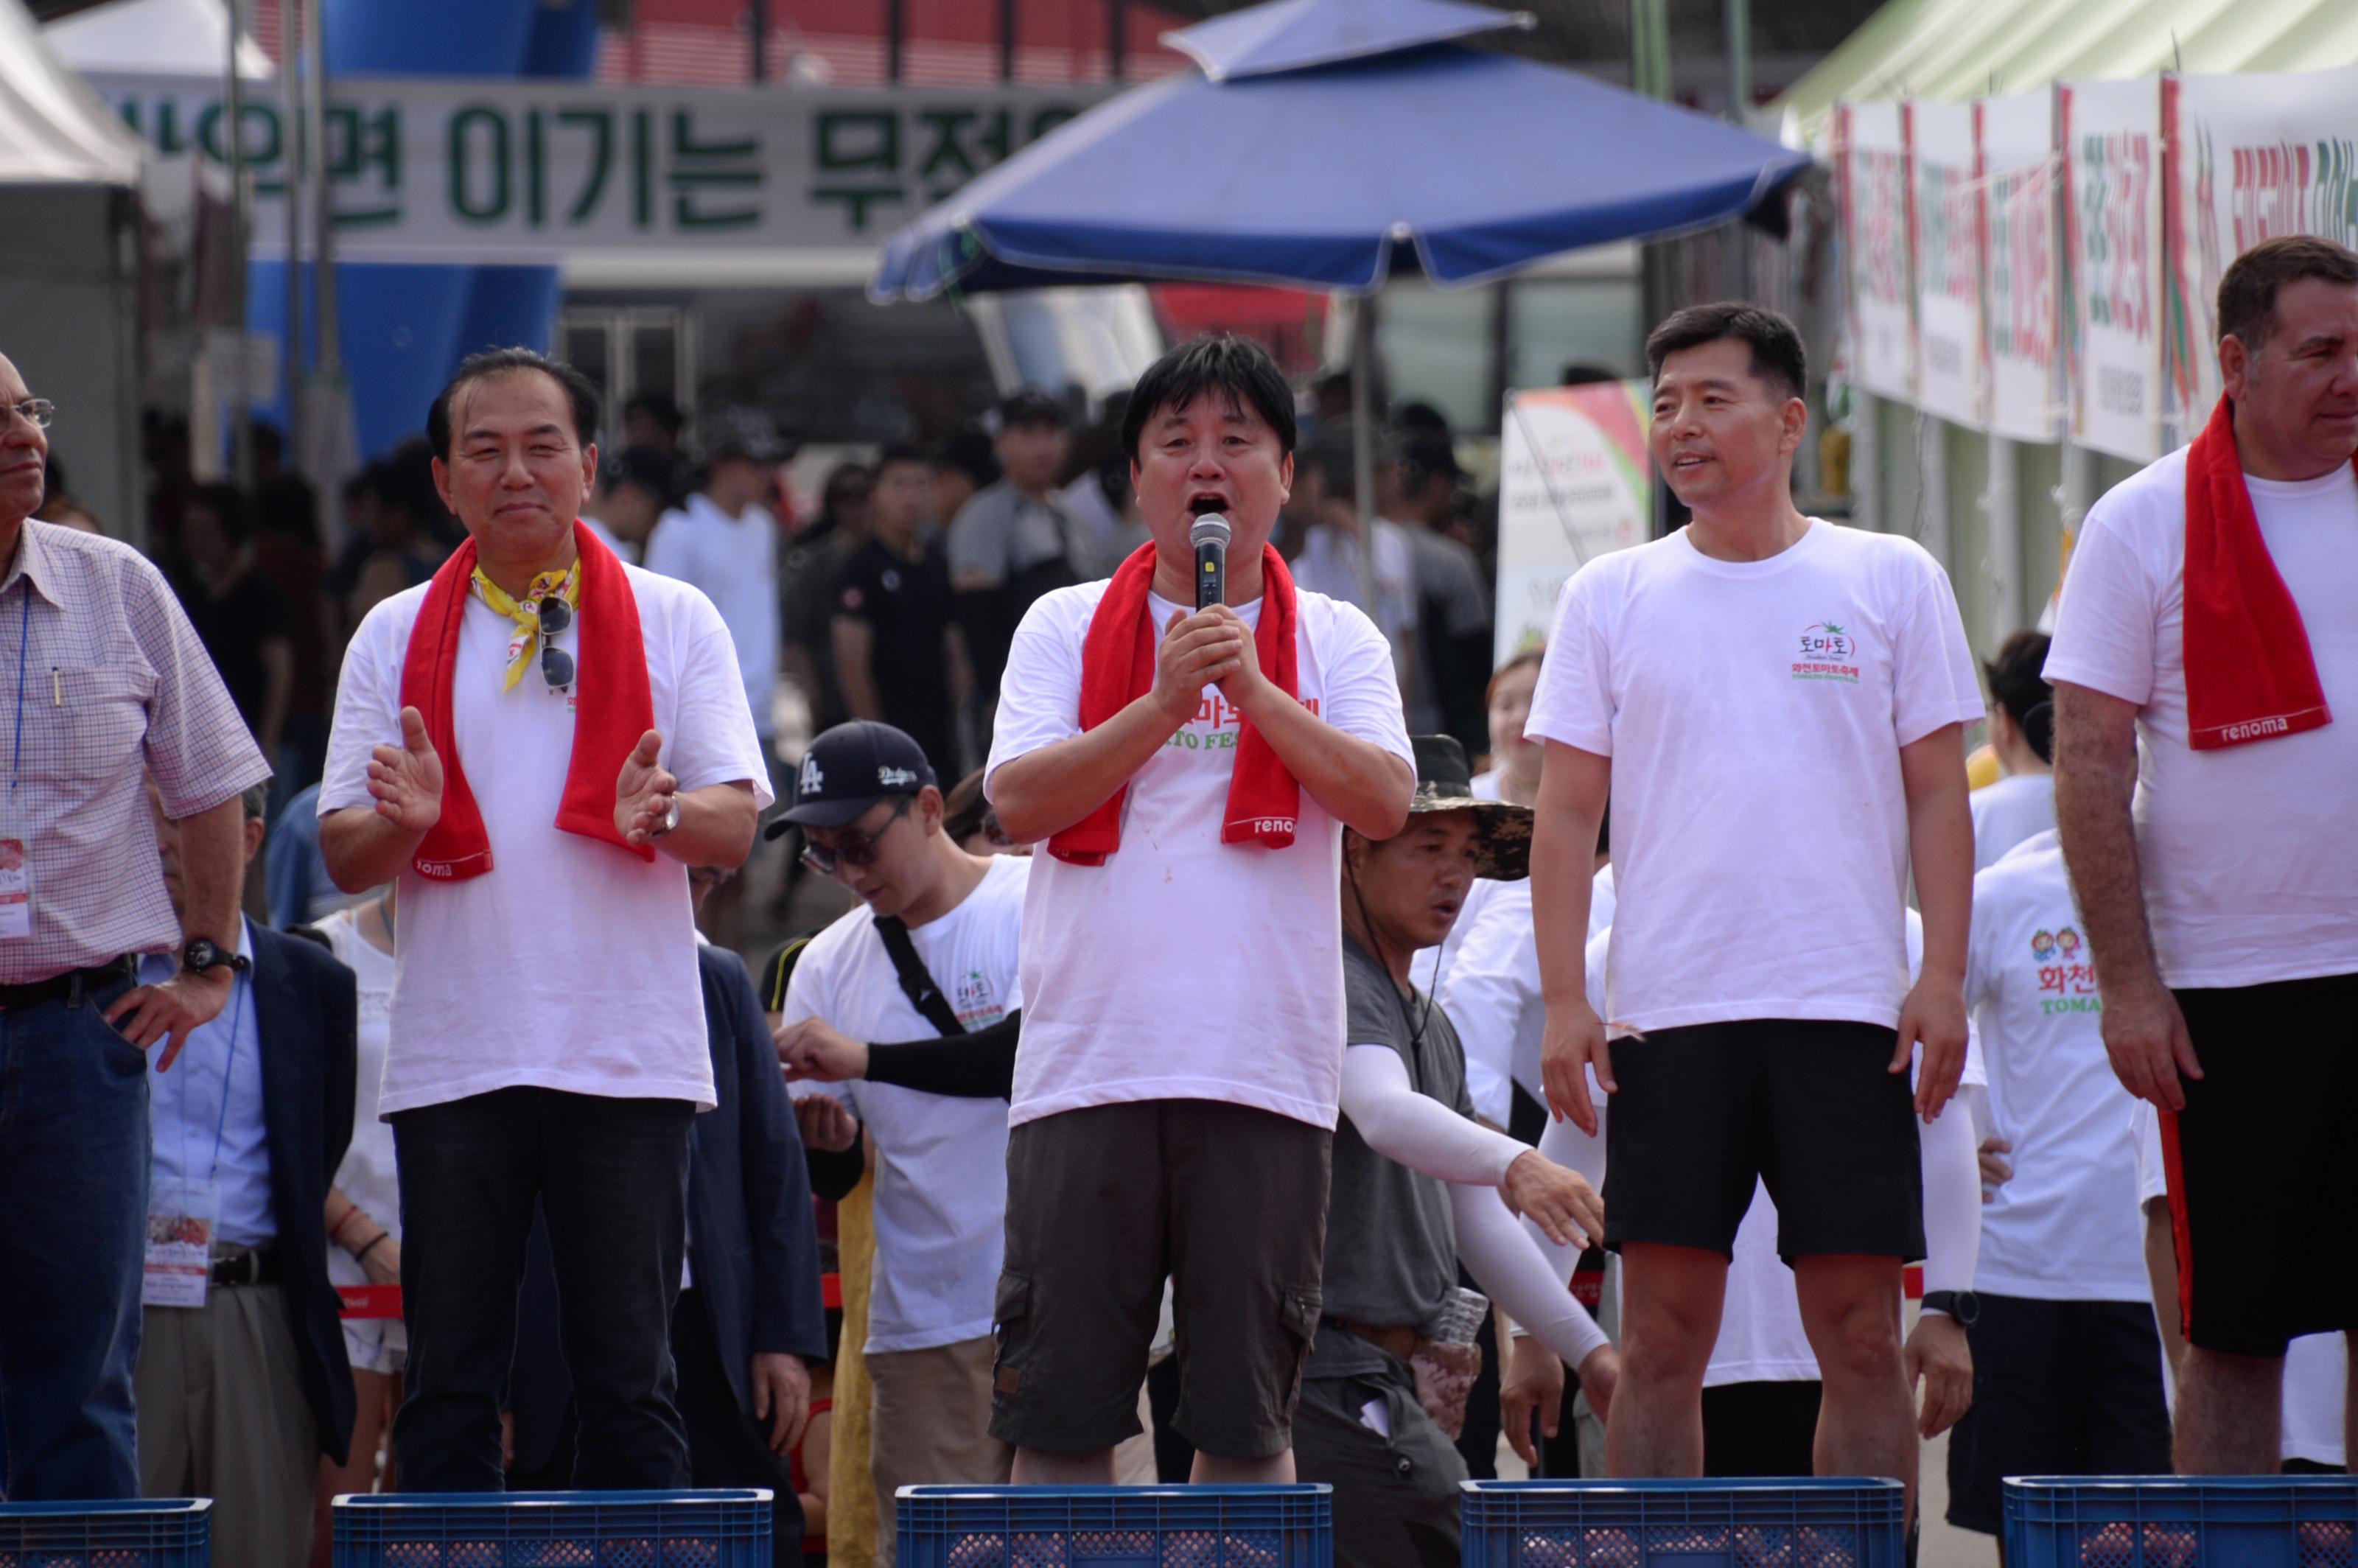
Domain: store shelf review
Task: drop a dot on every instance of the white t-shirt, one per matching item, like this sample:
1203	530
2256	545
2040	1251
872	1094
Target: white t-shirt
368	1176
1329	564
1754	712
2008	810
1184	968
2062	1228
2317	1365
735	561
941	1161
2249	854
571	964
1491	992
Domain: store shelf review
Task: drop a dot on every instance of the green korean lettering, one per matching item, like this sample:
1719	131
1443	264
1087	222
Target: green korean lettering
480	123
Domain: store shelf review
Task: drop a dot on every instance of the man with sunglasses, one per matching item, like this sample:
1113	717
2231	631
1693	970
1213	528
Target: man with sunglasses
539	743
932	953
103	674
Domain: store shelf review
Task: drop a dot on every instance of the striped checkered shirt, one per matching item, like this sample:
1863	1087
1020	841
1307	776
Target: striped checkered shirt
100	672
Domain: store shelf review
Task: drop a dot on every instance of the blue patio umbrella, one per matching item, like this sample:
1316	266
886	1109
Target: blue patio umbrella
1325	143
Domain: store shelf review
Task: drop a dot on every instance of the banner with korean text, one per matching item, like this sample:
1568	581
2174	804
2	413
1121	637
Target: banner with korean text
1575	480
1871	155
2111	135
422	168
2022	262
2254	156
1944	237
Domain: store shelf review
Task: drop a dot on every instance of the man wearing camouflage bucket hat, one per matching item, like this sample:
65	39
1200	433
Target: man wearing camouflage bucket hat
1383	1395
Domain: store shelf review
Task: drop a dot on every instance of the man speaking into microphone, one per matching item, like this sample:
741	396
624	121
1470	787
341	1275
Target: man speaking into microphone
1191	773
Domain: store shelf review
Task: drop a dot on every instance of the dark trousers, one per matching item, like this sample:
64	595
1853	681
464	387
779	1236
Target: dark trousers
725	1448
74	1230
612	1177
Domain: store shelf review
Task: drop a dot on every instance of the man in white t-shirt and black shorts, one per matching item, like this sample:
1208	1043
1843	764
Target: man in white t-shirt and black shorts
539	743
1188	776
1778	705
2206	677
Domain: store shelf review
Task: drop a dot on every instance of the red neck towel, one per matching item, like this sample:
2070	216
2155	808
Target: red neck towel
618	707
1117	667
2249	672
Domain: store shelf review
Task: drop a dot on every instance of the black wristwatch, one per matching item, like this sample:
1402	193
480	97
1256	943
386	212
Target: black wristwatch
1963	1305
204	953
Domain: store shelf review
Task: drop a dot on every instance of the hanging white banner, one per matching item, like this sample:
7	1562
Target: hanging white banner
1945	239
2256	156
2111	133
1575	480
1872	143
2022	262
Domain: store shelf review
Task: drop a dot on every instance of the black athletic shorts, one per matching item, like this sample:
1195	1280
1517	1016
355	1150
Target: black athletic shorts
1103	1204
2059	1389
2263	1164
1809	1106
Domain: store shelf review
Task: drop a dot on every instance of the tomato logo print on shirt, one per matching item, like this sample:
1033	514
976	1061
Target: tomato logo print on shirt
974	999
2066	984
1826	652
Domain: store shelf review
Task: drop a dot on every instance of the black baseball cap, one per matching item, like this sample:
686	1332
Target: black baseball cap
848	769
1032	406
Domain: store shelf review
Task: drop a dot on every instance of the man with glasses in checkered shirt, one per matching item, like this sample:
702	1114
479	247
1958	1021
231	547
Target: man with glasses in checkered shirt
102	681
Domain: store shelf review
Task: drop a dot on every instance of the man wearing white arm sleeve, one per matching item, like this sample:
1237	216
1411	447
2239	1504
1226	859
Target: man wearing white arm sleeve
1416	1191
1760	1390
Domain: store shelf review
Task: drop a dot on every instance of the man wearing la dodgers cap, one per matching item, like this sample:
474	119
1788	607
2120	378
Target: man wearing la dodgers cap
941	925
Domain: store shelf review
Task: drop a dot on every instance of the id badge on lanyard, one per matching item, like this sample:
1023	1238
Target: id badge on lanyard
181	1218
184	1216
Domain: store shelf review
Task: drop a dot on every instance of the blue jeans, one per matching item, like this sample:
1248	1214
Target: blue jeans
610	1175
74	1228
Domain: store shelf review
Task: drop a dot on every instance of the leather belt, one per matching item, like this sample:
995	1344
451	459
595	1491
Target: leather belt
263	1265
1397	1342
71	985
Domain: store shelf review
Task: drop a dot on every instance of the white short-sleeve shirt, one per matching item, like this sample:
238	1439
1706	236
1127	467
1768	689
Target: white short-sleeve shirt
941	1161
1754	712
2063	1227
1184	968
2248	854
571	964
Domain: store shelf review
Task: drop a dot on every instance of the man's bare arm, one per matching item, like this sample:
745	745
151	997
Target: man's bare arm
2096	780
1940	854
363	849
212	868
855	640
1573	787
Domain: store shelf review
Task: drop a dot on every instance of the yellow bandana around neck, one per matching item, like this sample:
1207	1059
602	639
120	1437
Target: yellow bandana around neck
527	613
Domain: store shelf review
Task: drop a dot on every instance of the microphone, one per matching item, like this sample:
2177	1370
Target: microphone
1210	536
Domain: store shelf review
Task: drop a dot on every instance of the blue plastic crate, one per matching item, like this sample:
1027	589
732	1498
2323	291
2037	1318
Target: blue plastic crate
554	1529
1776	1523
1116	1527
152	1533
2135	1521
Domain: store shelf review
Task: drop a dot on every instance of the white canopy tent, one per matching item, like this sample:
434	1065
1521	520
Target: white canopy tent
174	36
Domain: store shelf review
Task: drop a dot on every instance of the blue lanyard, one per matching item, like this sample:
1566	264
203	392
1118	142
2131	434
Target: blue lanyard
24	650
220	1119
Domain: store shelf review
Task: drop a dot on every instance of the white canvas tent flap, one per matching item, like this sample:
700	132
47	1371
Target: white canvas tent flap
170	36
53	128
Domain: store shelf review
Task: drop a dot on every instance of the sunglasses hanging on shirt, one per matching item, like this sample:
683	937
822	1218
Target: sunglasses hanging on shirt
555	664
